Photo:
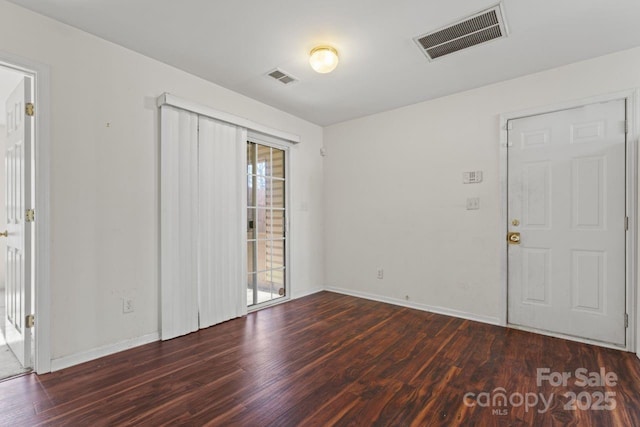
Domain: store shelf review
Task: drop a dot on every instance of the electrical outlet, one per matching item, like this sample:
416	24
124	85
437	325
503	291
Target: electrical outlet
380	273
473	203
127	305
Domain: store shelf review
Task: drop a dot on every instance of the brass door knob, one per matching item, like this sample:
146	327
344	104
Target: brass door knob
5	233
513	238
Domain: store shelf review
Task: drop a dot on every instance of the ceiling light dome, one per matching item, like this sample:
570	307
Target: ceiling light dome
323	59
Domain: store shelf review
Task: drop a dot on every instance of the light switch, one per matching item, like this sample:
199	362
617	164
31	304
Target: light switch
474	177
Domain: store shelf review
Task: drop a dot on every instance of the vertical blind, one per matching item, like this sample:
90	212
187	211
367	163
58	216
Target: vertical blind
222	262
179	222
203	249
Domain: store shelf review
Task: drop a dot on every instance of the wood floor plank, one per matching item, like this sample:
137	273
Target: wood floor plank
328	359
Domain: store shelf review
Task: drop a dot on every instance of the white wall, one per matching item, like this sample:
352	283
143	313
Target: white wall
394	196
105	183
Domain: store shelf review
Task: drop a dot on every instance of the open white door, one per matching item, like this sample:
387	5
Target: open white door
566	203
18	232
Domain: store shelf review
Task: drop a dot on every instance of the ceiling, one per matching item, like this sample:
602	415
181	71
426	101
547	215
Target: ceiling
235	43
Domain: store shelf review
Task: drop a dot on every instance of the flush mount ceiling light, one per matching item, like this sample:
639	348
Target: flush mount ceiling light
323	59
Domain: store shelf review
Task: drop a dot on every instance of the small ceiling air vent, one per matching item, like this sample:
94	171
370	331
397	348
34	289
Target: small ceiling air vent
281	76
474	30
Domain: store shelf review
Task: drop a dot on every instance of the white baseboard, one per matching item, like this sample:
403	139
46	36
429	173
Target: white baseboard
96	353
418	306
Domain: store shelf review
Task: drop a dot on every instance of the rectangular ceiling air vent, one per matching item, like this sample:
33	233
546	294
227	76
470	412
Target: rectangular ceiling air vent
281	76
474	30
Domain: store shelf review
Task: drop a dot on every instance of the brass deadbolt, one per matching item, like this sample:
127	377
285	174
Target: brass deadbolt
513	238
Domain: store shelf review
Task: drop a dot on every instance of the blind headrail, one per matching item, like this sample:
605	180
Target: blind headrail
194	107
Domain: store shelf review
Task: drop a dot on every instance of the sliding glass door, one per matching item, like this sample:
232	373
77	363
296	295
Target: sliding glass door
266	223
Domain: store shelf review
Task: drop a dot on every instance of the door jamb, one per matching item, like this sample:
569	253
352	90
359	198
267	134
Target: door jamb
41	152
632	98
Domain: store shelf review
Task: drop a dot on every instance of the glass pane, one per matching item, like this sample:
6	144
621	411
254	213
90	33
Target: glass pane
261	222
264	160
277	193
251	267
251	181
251	158
277	163
277	282
250	279
275	253
275	224
265	288
251	224
263	258
262	192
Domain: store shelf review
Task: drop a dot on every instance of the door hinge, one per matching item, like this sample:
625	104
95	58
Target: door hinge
30	215
30	320
28	109
509	125
626	223
626	320
626	126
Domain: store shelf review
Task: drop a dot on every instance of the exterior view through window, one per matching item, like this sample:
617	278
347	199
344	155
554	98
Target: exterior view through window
266	237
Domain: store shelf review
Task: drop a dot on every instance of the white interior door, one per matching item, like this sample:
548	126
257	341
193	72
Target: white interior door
566	198
18	259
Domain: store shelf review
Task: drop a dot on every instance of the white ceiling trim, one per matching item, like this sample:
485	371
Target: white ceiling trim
194	107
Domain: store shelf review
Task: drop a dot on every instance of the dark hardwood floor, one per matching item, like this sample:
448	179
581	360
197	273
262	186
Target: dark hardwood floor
330	359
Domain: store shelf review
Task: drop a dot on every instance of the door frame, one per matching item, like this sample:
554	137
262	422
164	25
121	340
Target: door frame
632	98
274	142
41	187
